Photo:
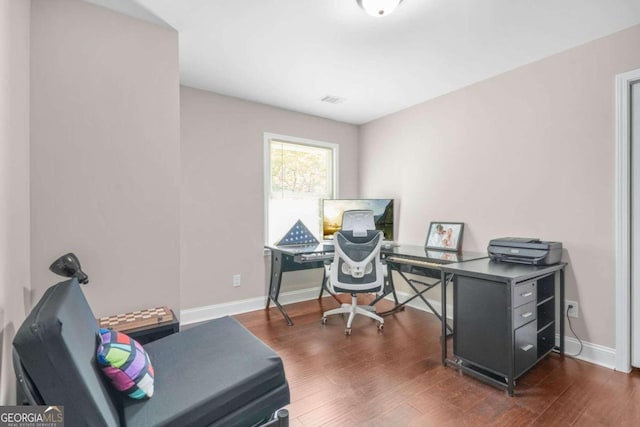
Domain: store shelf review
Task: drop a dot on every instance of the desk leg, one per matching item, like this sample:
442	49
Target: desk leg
391	287
417	294
561	311
324	282
324	287
388	288
421	296
274	284
443	336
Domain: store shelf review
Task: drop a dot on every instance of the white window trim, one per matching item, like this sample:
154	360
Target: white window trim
267	168
623	220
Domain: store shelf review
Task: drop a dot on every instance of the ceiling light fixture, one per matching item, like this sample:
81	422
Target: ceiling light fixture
332	99
379	8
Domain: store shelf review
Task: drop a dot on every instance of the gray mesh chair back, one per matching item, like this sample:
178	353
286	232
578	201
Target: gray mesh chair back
357	266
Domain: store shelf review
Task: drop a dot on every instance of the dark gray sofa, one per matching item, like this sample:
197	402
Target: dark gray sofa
214	374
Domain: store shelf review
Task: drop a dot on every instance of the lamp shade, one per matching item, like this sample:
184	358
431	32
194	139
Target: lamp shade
69	266
379	8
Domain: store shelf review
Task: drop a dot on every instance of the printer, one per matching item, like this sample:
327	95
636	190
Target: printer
525	250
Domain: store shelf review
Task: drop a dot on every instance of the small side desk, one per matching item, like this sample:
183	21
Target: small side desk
405	259
504	318
293	258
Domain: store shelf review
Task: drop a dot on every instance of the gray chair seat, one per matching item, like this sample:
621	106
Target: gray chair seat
198	387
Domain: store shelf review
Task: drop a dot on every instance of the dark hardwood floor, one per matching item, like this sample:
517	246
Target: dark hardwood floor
395	378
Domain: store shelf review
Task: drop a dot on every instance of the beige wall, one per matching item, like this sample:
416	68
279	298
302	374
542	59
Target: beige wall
222	191
105	153
528	153
14	182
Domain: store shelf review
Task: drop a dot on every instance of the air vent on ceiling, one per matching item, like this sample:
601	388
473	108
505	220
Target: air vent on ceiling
332	99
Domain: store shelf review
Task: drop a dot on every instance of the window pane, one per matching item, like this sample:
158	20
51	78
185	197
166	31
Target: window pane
300	176
300	171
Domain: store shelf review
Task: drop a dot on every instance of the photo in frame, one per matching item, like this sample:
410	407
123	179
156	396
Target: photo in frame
445	236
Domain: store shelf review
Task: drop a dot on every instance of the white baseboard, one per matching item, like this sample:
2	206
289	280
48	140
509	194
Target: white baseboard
592	353
202	314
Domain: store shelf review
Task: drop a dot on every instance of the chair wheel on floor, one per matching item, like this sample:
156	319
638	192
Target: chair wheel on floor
380	327
347	331
323	320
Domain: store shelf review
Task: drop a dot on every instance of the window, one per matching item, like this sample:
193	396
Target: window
299	173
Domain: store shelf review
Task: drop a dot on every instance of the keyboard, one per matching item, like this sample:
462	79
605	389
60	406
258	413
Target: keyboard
316	256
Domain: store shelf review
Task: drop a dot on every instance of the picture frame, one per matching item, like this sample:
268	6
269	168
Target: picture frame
445	236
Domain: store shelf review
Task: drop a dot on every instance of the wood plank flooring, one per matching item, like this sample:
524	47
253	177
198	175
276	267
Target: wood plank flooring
395	378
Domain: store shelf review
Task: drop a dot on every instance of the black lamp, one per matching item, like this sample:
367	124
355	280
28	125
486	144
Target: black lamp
69	266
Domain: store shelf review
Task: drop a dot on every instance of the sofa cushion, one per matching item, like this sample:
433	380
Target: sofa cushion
125	362
227	377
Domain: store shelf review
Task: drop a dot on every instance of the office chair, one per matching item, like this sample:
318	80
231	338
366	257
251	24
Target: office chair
356	267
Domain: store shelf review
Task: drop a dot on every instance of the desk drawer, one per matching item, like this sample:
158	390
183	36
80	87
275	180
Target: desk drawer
524	314
524	293
525	352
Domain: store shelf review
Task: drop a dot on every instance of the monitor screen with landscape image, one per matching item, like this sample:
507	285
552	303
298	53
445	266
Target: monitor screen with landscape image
332	210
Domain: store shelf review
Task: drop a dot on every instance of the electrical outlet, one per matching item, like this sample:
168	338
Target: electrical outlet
573	311
236	280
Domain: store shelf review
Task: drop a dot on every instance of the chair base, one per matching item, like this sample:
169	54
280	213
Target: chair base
353	309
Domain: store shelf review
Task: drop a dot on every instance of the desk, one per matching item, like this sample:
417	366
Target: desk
405	259
504	318
293	258
416	260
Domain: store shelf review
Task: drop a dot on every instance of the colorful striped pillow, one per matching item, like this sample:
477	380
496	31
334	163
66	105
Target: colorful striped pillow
125	362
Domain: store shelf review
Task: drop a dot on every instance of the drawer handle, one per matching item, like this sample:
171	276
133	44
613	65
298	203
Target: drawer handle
526	294
527	314
527	347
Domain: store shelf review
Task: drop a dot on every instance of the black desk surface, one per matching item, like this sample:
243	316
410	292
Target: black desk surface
400	250
302	249
501	271
420	253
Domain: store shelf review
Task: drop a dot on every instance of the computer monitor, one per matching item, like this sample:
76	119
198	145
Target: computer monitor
332	210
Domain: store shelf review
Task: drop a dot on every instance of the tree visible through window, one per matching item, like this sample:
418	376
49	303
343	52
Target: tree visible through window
300	175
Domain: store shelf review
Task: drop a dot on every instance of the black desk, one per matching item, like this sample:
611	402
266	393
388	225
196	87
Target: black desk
504	317
293	258
416	260
405	259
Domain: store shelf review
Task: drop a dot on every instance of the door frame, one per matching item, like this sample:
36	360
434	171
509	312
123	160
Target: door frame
623	219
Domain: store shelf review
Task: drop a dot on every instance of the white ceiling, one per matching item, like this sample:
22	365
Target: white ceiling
292	53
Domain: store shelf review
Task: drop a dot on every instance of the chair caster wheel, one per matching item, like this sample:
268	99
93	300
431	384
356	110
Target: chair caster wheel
323	320
347	331
380	327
